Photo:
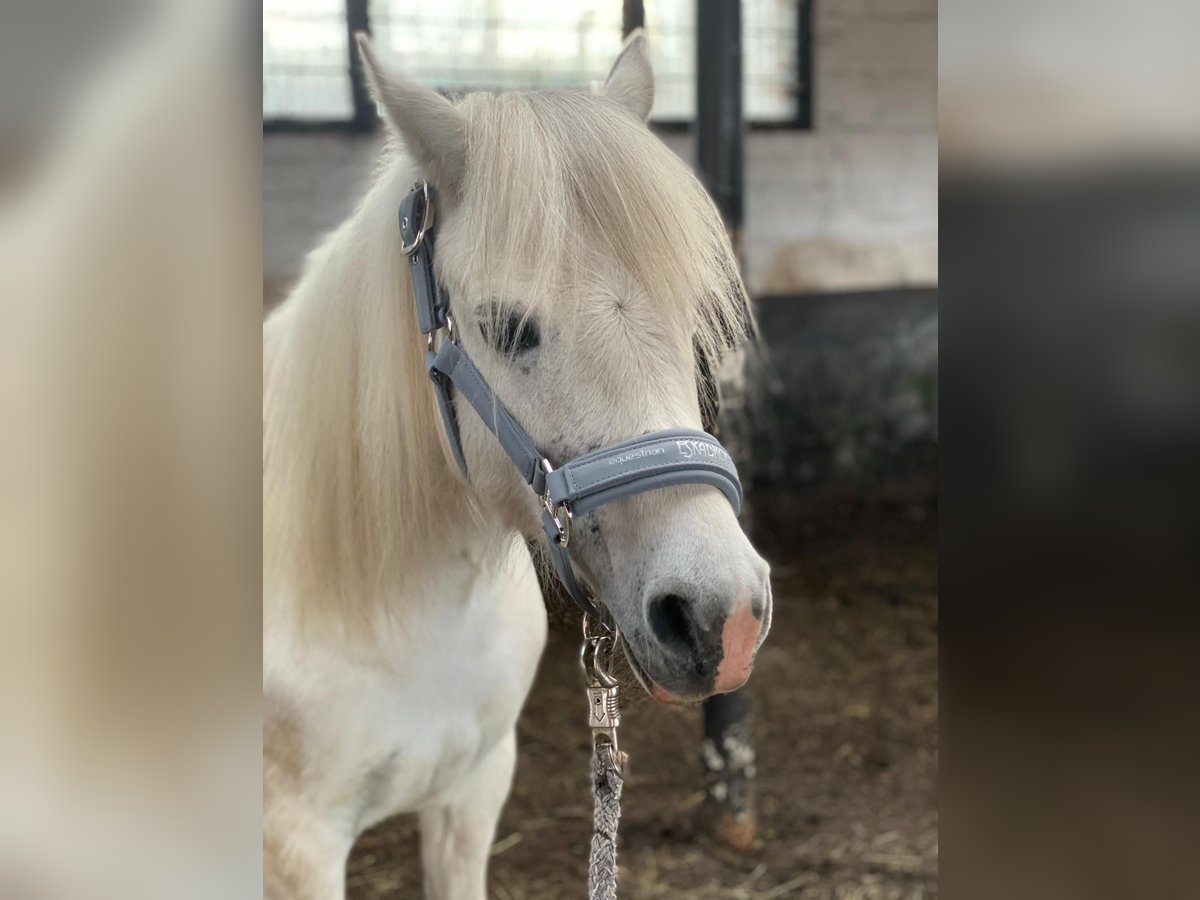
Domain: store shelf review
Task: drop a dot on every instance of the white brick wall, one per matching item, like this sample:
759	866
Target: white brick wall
852	203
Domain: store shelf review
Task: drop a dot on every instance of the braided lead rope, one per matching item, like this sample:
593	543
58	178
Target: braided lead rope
604	716
606	815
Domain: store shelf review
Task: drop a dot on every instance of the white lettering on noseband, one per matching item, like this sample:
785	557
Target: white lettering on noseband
635	454
689	449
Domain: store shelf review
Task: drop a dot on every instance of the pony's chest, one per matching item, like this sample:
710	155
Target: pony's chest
437	723
396	738
473	675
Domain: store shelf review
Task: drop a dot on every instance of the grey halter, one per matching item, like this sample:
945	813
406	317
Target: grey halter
646	463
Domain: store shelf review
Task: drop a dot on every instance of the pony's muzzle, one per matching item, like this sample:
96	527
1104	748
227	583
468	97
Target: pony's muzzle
706	640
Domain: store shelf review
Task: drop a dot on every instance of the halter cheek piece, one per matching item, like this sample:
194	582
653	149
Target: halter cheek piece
646	463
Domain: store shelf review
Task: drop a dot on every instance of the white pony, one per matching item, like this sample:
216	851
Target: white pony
587	272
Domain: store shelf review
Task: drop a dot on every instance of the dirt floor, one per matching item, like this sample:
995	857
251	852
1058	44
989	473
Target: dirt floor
846	701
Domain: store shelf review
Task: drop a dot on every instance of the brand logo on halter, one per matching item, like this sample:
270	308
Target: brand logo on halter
690	449
636	454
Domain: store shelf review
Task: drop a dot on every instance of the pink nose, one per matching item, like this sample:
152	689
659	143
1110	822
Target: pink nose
739	638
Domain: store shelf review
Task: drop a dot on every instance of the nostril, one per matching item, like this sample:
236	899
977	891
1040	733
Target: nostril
671	623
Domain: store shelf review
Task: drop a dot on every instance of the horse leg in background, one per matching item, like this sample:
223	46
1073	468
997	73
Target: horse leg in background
456	837
729	765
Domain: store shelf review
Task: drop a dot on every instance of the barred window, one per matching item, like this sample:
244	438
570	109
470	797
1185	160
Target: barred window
458	45
306	56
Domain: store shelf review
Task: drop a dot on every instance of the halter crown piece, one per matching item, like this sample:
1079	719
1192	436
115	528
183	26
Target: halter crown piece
576	487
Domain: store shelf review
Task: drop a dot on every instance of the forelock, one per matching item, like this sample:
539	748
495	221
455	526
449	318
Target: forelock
556	177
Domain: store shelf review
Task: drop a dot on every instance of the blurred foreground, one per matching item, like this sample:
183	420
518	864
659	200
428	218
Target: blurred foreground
129	448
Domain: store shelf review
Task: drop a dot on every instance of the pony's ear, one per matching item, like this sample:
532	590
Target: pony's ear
631	81
432	128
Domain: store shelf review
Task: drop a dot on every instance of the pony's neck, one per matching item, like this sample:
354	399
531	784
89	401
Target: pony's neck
359	498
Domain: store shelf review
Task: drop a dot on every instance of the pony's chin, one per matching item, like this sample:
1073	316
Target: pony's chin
655	690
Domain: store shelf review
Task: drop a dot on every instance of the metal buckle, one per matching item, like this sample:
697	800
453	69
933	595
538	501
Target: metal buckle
426	219
560	514
450	336
604	710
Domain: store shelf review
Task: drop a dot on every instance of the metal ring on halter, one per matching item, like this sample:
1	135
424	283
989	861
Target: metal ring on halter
426	220
595	664
563	518
430	346
561	514
596	653
597	629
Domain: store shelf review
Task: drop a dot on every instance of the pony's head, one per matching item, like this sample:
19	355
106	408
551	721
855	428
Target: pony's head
591	280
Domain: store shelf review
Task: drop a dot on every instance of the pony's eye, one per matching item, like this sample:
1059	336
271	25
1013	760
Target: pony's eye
511	334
